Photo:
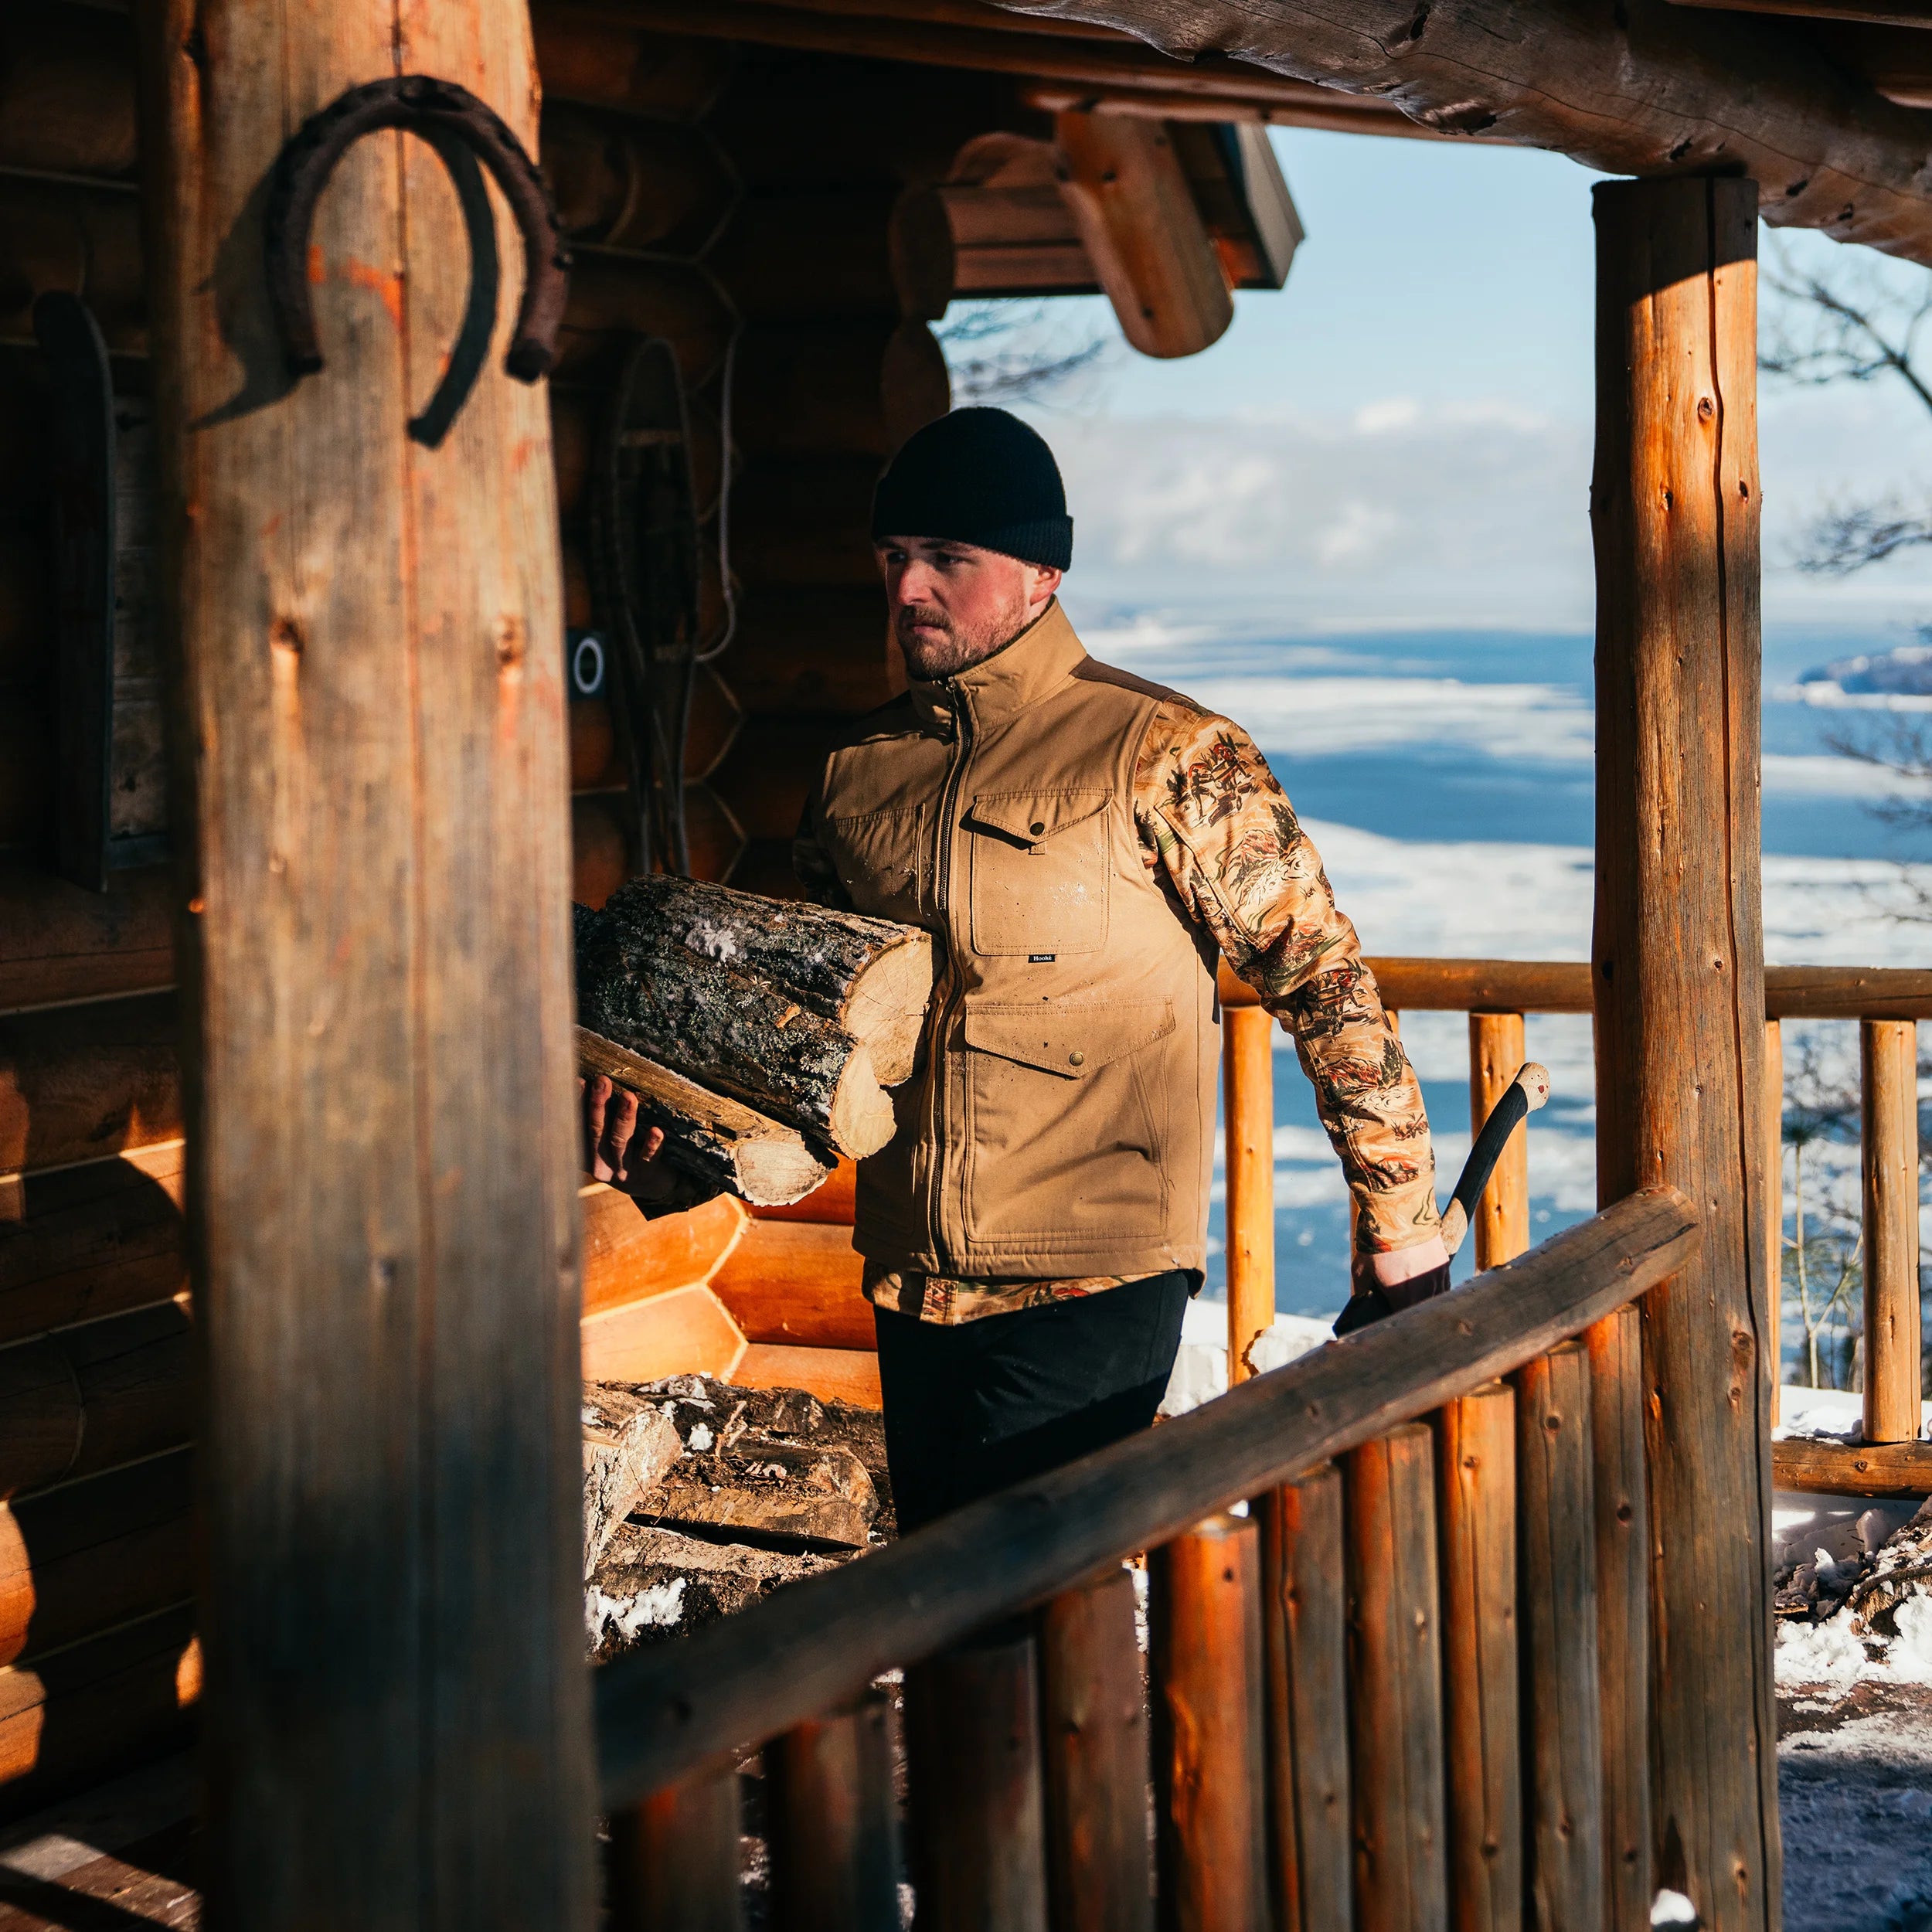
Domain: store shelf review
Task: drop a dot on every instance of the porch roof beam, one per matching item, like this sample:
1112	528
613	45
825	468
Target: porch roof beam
1677	90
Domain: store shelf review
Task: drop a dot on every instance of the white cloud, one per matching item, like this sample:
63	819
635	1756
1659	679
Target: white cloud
1392	513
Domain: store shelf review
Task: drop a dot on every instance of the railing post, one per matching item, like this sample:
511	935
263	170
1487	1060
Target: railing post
674	1859
1623	1613
1562	1682
1774	1200
1677	955
1247	1110
1500	1225
1305	1634
1204	1681
973	1763
1094	1740
1890	1152
1395	1678
833	1822
1476	1478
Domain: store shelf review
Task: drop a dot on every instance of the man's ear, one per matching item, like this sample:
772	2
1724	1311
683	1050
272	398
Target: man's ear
1046	585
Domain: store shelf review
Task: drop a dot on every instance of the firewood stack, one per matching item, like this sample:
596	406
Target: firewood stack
760	1034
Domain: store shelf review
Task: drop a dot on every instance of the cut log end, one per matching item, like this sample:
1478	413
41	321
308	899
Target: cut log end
863	1121
887	1008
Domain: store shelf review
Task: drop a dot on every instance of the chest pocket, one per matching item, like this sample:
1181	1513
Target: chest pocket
1040	871
881	861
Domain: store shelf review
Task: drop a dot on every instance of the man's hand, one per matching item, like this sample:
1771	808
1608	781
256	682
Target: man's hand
614	1149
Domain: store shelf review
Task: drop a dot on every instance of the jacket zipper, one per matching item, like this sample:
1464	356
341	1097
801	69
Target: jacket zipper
942	906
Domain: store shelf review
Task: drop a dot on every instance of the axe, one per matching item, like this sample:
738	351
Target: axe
1520	1100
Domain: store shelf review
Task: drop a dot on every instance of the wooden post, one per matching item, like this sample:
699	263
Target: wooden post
1305	1633
1623	1613
1563	1760
1678	957
1204	1679
1775	1199
373	867
834	1823
973	1761
1500	1224
1889	1052
1094	1742
674	1859
1247	1108
1476	1476
1395	1682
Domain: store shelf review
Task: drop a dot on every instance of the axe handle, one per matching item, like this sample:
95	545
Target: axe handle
1524	1094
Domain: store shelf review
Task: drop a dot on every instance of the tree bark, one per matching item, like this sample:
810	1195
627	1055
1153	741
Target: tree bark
719	1142
799	1011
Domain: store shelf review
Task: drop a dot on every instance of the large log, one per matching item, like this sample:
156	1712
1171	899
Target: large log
81	1081
96	1239
91	1555
78	1714
799	1010
84	1399
1853	1469
365	631
1679	951
1643	89
717	1141
798	1285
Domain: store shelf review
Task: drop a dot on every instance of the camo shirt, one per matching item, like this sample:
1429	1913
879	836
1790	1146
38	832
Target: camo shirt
1219	831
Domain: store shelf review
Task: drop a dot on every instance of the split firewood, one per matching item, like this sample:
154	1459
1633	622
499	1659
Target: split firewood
720	1143
629	1448
792	1009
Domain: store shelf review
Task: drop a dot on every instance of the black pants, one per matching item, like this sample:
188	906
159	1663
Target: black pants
977	1406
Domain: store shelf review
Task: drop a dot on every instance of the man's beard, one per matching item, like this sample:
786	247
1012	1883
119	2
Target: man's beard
957	648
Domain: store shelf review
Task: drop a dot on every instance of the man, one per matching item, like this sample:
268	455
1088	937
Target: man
1083	846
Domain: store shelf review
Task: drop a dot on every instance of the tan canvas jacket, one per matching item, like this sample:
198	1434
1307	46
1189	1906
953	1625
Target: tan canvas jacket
1082	843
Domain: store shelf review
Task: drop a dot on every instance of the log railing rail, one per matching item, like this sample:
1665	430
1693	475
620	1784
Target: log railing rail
1248	1617
1886	1003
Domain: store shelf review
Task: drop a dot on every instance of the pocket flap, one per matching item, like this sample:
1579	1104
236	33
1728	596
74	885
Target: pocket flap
1070	1040
1031	818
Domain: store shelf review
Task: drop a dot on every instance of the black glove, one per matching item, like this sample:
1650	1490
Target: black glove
1372	1303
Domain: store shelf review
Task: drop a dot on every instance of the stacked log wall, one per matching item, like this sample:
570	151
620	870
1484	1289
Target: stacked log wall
714	195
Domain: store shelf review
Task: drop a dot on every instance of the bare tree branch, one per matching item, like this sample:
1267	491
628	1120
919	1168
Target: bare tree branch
1006	352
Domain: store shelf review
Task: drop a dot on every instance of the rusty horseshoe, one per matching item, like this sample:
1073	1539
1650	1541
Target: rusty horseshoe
427	106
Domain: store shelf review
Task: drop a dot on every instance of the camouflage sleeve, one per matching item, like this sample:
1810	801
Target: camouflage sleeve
1213	820
811	864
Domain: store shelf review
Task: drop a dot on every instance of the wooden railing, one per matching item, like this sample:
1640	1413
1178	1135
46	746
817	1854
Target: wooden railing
1411	1674
1886	1002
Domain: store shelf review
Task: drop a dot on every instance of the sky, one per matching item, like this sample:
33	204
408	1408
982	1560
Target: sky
1402	435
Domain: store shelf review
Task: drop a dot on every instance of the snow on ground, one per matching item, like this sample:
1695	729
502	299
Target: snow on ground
1854	1790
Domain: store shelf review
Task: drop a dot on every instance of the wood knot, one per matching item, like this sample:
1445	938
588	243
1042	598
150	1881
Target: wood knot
1706	408
285	634
510	639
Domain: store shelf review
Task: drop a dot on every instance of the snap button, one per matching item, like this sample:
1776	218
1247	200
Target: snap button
1077	1058
1037	827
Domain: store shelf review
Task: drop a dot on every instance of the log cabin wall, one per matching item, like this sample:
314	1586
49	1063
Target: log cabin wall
766	209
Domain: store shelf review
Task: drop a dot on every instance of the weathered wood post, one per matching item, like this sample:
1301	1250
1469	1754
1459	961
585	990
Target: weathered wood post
374	867
1679	983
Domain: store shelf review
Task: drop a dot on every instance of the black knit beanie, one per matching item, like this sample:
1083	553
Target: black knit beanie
977	476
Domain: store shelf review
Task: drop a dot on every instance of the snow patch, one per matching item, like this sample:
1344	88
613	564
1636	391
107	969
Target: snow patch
700	1438
1672	1908
660	1605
